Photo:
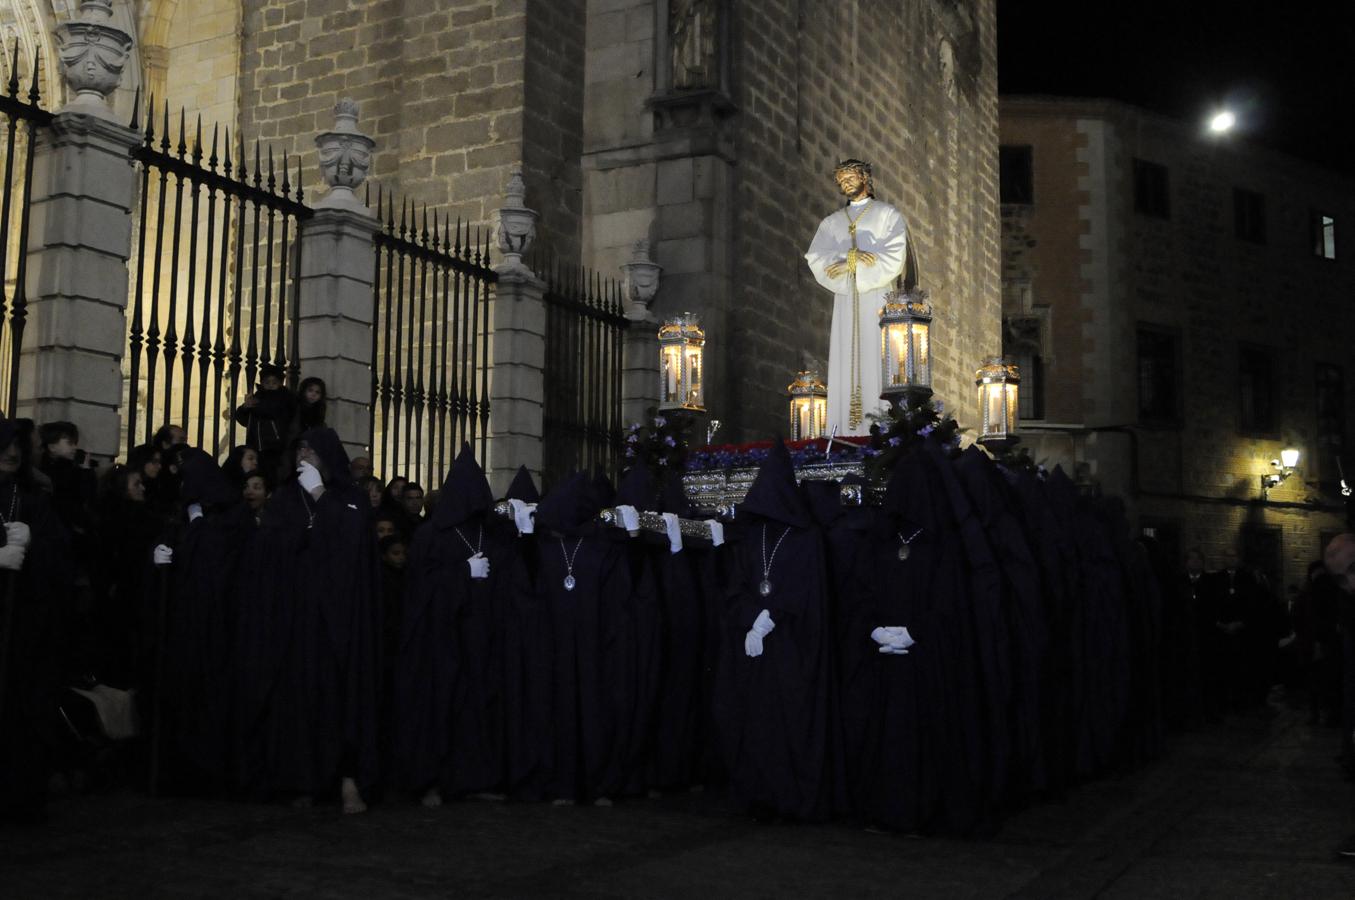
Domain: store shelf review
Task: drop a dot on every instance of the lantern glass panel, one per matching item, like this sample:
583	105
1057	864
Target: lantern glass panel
693	394
672	375
922	354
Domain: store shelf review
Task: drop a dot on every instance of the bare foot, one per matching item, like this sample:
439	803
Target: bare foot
352	800
603	801
432	799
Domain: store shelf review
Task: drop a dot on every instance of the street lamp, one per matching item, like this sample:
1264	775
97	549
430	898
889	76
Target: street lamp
1282	469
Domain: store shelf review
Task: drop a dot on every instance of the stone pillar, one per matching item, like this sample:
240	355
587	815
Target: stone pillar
517	386
80	237
335	281
639	369
335	298
516	410
640	362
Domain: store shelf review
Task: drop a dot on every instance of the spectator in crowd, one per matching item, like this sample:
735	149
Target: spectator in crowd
242	462
384	526
123	612
72	478
1339	560
311	400
267	416
146	460
255	494
395	492
35	563
361	467
372	486
411	503
1319	644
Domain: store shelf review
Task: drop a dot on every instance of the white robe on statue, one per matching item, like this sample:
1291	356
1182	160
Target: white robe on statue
882	231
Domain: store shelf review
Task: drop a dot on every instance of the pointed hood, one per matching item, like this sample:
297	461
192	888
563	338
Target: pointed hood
915	496
465	492
976	472
638	489
523	488
824	499
604	493
202	481
570	508
774	494
674	497
326	444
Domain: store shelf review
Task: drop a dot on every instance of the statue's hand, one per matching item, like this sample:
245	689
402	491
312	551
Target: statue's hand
837	269
865	258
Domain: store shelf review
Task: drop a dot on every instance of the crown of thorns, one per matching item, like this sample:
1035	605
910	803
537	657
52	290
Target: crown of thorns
855	165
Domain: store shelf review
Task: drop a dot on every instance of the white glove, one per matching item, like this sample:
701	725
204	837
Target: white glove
12	557
674	528
17	534
194	511
628	517
762	626
308	477
893	639
479	566
163	555
717	531
524	516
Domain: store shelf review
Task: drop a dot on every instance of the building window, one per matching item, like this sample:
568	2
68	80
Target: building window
1152	196
1331	407
1016	181
1159	376
1022	343
1256	390
1249	215
1324	235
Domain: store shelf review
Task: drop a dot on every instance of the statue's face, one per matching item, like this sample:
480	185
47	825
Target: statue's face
851	182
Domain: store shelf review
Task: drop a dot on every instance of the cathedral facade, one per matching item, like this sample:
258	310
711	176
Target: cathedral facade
706	128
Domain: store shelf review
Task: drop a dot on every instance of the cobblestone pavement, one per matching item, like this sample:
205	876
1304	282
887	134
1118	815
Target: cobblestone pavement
1251	808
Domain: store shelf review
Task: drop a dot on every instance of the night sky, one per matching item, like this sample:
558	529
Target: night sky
1287	71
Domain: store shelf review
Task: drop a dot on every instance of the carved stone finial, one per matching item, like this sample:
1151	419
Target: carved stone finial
93	53
642	281
517	224
345	158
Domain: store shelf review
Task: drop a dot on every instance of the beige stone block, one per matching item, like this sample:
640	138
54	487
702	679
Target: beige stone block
676	180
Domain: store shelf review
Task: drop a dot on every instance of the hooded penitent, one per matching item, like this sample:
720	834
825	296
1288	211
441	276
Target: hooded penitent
995	508
202	620
587	590
307	648
775	709
449	689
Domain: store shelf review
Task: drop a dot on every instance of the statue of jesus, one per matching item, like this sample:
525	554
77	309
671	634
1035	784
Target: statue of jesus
857	253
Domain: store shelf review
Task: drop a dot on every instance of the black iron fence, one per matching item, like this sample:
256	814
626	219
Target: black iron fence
430	342
584	342
21	116
213	283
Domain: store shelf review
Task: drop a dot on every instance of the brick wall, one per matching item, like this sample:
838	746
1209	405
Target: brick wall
1191	274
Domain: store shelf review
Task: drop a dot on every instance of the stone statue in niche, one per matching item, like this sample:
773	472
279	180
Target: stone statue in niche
694	25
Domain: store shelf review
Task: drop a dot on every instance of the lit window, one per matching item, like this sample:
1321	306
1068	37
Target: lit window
1324	236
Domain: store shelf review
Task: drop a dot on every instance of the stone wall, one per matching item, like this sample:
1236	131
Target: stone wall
1188	273
732	206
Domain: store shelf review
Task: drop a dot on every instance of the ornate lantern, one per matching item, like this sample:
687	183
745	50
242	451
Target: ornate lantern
997	380
808	406
681	341
905	345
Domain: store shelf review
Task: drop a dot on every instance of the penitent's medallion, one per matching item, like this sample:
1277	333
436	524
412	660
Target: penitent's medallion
570	582
765	588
